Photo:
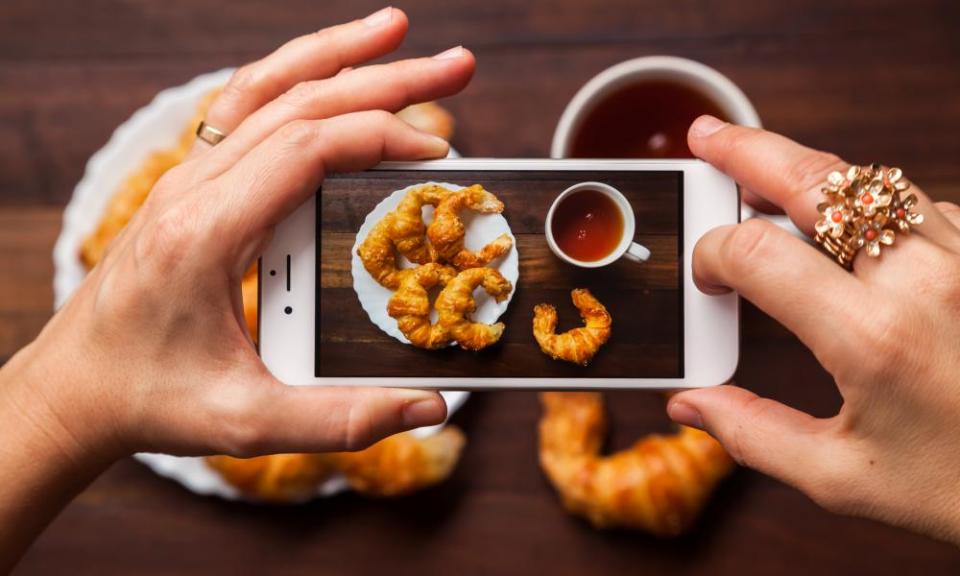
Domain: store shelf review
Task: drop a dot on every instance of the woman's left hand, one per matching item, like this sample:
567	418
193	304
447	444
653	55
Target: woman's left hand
151	352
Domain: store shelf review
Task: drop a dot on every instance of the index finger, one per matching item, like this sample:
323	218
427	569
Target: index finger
313	56
773	167
789	175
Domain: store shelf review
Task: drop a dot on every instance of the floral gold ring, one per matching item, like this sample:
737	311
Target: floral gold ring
864	208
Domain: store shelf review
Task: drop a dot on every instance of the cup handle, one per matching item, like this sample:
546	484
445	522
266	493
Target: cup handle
637	253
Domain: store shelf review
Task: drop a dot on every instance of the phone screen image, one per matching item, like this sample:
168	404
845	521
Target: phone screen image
644	299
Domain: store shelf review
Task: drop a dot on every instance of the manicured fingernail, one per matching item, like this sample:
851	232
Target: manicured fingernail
450	54
685	414
440	146
379	18
424	412
706	125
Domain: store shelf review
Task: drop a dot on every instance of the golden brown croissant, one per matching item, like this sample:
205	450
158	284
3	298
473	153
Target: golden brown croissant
410	305
405	225
579	344
402	463
275	478
379	255
455	303
658	485
395	466
446	232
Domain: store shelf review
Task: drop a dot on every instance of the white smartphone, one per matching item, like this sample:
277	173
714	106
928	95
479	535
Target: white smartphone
323	317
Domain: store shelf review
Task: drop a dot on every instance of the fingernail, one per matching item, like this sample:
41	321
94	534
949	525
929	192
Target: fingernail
685	414
379	18
424	412
450	54
441	146
706	125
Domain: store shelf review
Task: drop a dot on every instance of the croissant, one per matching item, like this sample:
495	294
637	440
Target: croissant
405	225
658	485
410	305
395	466
455	303
403	463
447	231
275	478
578	345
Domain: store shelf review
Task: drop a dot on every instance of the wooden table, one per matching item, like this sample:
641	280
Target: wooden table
869	79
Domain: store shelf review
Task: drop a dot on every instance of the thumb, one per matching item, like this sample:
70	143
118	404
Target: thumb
331	419
760	433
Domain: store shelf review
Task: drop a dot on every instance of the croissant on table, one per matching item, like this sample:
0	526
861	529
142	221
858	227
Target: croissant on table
658	485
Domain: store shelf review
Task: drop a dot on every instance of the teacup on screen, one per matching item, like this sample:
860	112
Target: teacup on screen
591	224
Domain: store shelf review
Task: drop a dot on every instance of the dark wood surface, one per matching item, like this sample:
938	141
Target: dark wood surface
869	79
644	300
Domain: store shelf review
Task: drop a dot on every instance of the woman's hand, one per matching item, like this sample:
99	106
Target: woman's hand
151	352
889	333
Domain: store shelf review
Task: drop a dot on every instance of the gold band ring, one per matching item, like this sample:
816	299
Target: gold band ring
864	208
209	134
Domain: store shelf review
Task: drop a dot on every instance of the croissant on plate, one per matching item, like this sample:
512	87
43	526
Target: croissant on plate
275	478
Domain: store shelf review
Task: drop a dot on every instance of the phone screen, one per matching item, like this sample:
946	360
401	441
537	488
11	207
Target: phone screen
645	299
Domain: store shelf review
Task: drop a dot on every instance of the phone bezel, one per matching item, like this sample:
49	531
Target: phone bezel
711	323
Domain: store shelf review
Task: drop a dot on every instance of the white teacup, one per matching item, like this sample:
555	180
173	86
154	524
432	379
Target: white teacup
701	78
626	248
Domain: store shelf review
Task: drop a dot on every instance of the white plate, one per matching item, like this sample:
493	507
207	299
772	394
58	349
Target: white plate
480	230
157	125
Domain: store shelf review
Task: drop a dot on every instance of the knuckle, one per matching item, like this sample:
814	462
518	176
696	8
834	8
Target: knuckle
298	133
882	332
359	432
883	326
947	207
382	118
164	242
302	95
810	171
243	80
240	431
938	274
170	183
736	142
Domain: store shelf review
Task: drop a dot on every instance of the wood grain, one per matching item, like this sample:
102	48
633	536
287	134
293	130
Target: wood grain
867	79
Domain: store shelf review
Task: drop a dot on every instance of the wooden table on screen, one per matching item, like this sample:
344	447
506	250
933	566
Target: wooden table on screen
870	80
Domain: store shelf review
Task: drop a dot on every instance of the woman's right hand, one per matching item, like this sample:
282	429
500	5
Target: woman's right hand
889	333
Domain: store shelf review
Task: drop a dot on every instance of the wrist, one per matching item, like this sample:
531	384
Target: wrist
52	414
44	463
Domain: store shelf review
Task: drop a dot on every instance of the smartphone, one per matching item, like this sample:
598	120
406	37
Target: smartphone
323	317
